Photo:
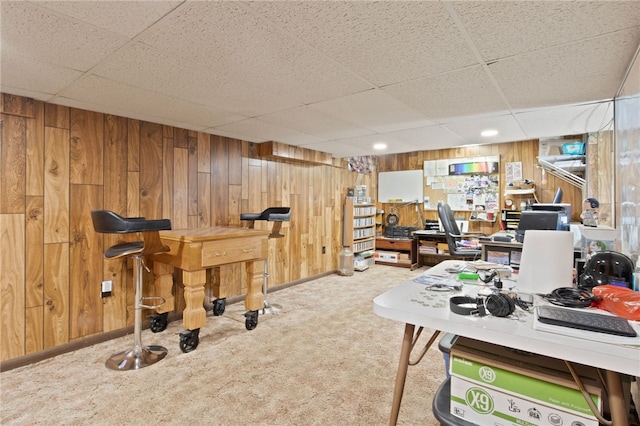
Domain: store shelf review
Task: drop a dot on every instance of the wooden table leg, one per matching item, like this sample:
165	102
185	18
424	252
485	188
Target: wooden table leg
254	300
619	415
163	282
194	314
401	376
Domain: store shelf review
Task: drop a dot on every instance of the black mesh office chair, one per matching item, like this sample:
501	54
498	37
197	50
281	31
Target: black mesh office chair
454	235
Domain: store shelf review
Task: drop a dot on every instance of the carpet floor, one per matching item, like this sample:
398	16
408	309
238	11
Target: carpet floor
325	359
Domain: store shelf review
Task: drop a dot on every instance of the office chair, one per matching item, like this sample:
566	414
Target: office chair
453	234
558	197
148	243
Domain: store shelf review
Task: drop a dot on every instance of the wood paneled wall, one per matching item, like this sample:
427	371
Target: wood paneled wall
523	151
58	163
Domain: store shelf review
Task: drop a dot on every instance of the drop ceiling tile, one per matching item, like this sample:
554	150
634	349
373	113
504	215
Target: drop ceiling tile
384	42
558	75
567	120
307	120
128	18
470	128
180	76
373	109
120	99
501	29
56	39
27	73
227	37
459	93
256	130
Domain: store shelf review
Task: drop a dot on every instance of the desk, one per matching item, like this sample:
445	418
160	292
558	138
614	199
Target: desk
196	250
436	237
413	305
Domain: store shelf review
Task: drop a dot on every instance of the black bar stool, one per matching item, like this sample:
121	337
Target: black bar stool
108	222
277	215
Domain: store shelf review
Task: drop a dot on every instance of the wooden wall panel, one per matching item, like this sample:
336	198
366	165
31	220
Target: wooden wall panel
13	163
219	179
12	303
86	147
180	188
85	263
133	145
56	116
56	294
17	105
34	333
167	179
34	262
150	170
192	172
35	151
56	185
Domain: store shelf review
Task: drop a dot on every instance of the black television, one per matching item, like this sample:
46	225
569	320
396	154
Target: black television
537	219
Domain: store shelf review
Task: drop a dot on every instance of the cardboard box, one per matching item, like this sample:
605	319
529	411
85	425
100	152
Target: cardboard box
387	256
491	384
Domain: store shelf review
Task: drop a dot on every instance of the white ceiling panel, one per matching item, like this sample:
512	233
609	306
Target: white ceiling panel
335	75
52	38
27	73
136	102
470	129
257	130
567	119
385	42
307	120
127	18
373	109
501	29
462	92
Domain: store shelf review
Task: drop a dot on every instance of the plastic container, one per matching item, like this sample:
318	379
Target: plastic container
573	148
345	267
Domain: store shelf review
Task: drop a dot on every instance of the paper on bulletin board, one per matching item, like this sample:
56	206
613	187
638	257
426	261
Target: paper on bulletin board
513	171
457	201
429	168
442	167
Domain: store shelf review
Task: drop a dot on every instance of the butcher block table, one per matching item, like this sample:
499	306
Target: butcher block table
196	250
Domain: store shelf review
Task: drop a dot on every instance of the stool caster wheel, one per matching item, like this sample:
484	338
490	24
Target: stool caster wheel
159	322
218	306
252	320
189	340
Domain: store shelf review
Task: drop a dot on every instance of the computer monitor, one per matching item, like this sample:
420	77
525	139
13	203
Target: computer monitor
563	209
557	199
537	219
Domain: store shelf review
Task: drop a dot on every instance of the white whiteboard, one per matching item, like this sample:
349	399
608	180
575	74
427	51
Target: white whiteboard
406	185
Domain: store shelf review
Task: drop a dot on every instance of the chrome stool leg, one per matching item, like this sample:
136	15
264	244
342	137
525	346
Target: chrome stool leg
140	356
267	309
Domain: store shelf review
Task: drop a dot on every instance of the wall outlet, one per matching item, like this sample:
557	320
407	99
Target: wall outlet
324	249
107	286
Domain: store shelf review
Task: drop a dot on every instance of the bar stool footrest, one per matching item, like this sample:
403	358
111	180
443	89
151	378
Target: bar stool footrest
144	306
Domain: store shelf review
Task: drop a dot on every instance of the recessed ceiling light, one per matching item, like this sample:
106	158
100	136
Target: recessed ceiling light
380	146
488	133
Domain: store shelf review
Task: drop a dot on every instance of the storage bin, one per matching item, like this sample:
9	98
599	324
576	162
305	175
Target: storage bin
573	148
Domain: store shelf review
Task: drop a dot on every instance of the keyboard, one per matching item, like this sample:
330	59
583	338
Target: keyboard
585	320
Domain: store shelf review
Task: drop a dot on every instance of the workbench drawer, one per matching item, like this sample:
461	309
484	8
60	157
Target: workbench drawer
221	252
388	244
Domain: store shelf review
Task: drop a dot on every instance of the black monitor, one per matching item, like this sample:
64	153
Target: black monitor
563	209
532	219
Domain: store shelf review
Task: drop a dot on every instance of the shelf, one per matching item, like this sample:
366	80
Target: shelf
519	191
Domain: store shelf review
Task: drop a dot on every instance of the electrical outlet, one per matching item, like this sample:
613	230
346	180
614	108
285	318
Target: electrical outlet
107	286
324	249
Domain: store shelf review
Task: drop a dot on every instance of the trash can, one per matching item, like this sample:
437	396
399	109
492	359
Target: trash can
345	263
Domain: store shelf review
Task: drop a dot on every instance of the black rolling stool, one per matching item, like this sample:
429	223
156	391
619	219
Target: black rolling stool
108	222
277	215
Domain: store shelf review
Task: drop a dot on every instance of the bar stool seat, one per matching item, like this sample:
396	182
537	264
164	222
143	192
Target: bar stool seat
108	222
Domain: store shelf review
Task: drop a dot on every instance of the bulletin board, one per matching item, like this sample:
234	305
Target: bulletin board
463	183
400	186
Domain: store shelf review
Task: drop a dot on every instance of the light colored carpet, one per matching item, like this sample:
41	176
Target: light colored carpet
326	359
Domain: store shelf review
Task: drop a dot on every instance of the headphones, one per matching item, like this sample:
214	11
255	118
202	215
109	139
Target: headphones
497	304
